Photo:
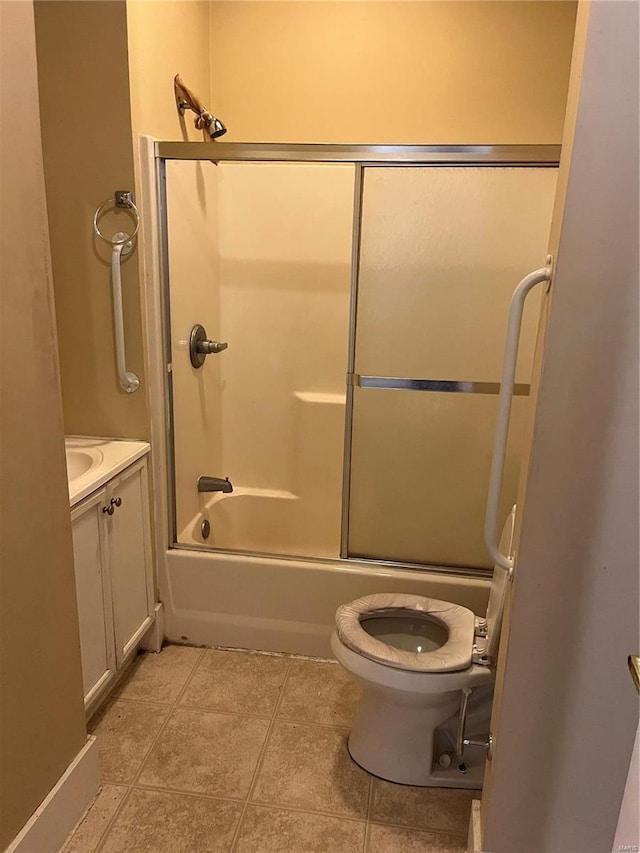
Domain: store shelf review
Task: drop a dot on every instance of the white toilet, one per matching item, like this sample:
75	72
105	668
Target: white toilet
415	658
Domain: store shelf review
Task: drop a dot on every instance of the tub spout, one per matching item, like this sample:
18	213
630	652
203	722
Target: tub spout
214	484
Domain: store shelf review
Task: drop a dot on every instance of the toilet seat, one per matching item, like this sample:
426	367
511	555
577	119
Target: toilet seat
455	654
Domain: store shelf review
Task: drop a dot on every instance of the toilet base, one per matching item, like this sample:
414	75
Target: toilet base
402	742
405	725
450	777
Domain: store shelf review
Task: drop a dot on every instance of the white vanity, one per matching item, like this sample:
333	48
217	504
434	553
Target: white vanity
108	494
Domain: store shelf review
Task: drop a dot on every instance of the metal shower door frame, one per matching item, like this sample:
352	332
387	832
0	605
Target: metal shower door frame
361	157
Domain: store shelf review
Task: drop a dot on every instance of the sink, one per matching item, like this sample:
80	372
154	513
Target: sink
80	461
91	462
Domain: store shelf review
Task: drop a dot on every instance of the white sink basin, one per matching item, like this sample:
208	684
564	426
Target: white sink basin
91	462
79	461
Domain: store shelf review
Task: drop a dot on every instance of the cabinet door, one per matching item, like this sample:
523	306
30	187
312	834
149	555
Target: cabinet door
130	558
92	590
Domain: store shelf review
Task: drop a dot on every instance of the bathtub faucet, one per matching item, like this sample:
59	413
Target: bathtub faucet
214	484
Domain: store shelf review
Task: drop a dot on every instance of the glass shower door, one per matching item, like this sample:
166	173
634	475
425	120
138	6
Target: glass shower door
441	251
260	255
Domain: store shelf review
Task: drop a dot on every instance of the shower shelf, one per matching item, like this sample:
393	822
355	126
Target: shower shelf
320	397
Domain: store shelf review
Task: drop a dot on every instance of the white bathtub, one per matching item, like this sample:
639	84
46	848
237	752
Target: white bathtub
268	521
283	605
271	603
91	462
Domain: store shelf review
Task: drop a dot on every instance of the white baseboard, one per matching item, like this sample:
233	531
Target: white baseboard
152	640
55	818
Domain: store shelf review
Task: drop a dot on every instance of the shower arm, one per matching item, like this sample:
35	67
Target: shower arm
188	100
514	323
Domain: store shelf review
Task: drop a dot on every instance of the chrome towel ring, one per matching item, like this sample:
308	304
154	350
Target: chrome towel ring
121	199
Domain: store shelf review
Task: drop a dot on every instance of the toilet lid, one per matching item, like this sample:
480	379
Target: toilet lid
454	654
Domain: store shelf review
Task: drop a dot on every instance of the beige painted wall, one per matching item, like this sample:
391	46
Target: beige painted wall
165	39
41	707
573	618
117	60
87	145
238	57
396	72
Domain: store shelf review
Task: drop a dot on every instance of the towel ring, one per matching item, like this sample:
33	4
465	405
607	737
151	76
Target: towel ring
121	200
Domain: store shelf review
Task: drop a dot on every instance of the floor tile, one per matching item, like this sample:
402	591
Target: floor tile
318	692
237	682
309	767
161	822
125	731
206	753
160	677
397	839
268	830
89	833
426	808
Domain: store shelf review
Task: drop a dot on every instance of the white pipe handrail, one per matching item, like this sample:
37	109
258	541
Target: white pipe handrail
129	382
514	324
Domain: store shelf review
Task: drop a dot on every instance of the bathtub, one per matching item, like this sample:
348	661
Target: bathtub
214	597
269	521
91	462
280	604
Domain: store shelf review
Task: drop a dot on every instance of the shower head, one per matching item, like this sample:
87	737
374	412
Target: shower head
213	125
187	100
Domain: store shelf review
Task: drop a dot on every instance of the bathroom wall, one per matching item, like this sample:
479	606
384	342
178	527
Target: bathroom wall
395	72
576	587
41	706
114	61
87	146
106	71
165	39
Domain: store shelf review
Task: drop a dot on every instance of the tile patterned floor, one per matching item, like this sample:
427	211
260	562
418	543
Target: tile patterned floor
209	750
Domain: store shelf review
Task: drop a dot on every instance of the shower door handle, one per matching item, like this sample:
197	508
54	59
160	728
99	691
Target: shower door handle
200	346
514	324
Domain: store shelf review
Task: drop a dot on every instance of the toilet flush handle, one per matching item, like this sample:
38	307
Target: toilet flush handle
485	744
461	740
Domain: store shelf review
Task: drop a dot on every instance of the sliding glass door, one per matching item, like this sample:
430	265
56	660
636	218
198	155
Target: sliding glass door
260	255
363	302
441	250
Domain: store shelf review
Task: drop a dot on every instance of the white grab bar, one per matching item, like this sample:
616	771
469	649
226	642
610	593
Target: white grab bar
121	244
514	324
129	382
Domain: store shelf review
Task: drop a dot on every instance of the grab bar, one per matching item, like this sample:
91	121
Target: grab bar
121	244
514	324
129	382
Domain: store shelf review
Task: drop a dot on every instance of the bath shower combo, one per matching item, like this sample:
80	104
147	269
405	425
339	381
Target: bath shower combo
365	315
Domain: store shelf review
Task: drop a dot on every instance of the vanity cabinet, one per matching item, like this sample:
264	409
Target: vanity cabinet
114	579
93	594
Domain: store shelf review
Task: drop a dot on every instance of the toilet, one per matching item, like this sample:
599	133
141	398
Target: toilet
415	659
